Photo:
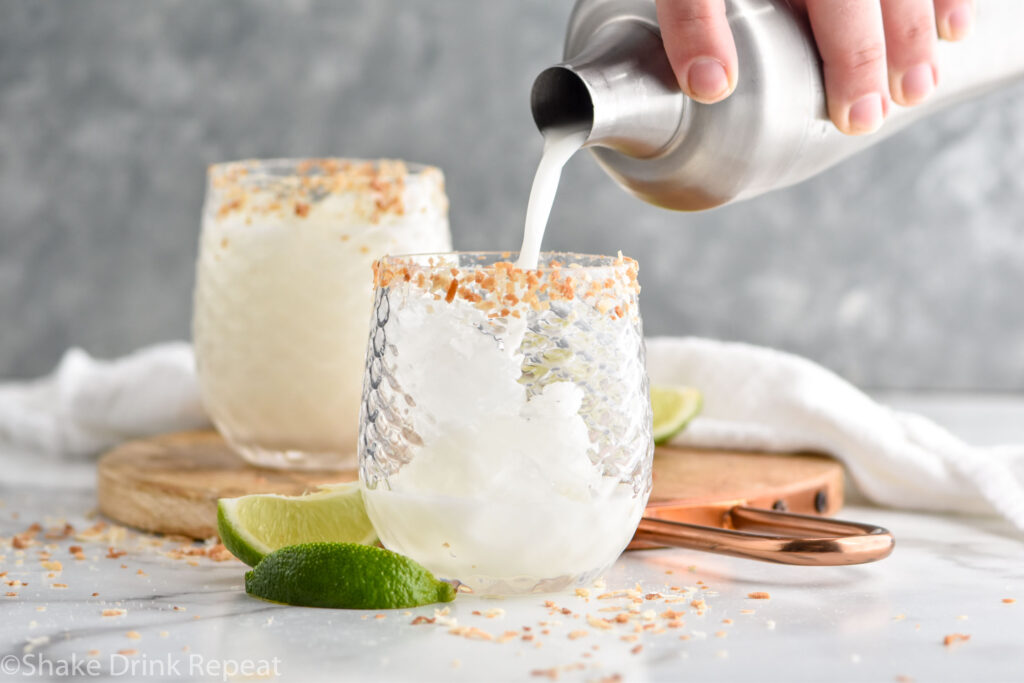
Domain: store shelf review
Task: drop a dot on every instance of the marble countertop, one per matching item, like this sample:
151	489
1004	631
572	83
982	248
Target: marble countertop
159	612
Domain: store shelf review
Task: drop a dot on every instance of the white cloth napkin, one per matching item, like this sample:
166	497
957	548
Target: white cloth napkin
761	399
754	399
88	405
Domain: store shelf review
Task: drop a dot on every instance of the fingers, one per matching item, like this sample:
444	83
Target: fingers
910	49
851	41
954	18
700	47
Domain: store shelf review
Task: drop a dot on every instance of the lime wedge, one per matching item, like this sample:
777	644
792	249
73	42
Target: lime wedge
253	526
673	409
345	575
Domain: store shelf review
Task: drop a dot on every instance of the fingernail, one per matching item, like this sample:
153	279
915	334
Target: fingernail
918	83
958	22
707	79
866	114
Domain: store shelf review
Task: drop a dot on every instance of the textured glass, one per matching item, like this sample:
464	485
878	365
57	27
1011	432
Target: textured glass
283	287
505	433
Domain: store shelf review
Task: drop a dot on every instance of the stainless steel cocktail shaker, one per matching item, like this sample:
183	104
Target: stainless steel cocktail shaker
773	131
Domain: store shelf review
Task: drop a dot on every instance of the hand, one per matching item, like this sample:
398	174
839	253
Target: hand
861	43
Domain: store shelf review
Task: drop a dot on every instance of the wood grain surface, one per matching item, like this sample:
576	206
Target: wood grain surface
170	484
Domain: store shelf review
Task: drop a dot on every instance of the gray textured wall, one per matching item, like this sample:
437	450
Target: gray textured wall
903	268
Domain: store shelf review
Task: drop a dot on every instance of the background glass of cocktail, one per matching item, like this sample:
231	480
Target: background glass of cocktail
505	433
283	287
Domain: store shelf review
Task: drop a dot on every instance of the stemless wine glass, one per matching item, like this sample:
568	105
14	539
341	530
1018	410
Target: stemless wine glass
283	287
505	434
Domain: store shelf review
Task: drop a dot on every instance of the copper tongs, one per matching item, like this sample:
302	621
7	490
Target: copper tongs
772	536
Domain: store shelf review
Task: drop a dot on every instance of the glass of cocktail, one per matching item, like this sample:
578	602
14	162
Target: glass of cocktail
283	288
505	433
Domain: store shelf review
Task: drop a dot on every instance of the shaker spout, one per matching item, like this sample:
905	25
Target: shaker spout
620	87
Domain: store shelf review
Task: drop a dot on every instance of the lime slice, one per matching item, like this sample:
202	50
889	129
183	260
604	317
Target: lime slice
252	526
345	575
673	409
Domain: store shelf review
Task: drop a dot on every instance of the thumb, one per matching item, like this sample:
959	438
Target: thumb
700	47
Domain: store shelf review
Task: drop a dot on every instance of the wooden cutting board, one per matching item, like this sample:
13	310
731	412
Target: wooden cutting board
170	484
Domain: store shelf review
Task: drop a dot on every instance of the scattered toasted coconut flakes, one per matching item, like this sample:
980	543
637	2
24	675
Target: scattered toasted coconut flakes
10	594
904	679
652	596
598	622
113	612
471	633
1009	601
63	532
759	595
675	599
610	609
699	605
637	649
550	604
675	623
51	575
92	653
961	617
527	636
41	608
15	583
566	611
685	636
129	652
218	553
58	585
577	634
53	566
95	595
726	621
953	638
748	611
720	634
380	616
551	673
630	638
192	563
621	618
134	635
671	614
612	595
583	592
140	573
507	636
3	574
114	554
422	620
494	613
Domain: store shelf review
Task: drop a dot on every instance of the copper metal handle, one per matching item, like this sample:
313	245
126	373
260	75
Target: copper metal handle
774	536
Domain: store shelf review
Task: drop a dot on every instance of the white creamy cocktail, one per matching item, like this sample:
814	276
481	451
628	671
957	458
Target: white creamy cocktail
506	430
284	289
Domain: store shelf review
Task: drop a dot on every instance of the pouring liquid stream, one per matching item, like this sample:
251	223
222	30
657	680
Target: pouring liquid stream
560	143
